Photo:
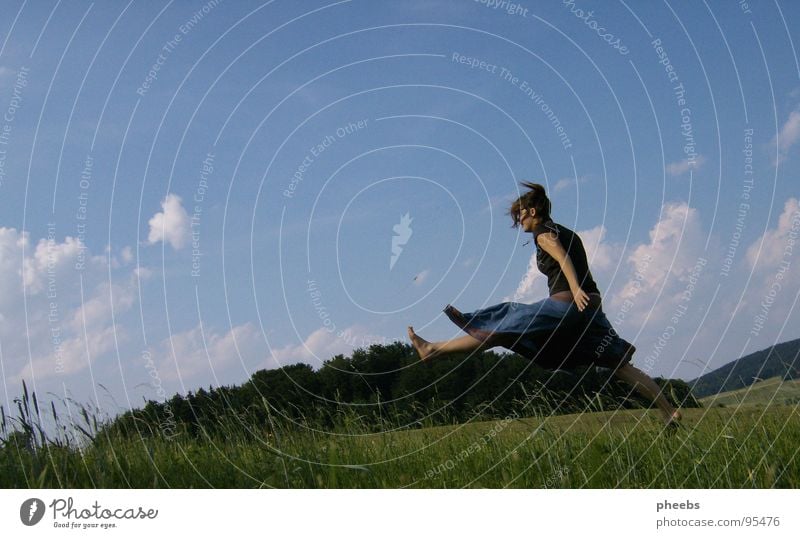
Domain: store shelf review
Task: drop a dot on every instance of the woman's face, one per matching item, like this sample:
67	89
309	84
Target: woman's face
526	218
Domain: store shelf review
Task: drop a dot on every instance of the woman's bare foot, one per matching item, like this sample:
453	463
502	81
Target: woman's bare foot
674	420
424	348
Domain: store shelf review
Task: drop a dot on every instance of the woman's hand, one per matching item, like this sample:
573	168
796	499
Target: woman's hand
581	299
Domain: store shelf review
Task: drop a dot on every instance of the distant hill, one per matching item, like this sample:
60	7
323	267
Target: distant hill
772	391
781	360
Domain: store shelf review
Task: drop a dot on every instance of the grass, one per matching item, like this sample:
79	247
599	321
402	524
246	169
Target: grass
718	447
765	392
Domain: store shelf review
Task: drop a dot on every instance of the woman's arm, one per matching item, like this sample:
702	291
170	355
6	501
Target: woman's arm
551	244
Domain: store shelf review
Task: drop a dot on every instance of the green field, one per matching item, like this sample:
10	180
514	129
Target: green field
718	447
766	392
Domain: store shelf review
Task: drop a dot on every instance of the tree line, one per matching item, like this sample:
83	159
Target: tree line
387	386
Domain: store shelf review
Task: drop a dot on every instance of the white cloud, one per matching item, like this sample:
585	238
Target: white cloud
96	312
74	354
46	338
205	351
48	265
769	249
566	182
679	168
49	259
315	349
143	272
322	344
660	270
80	335
127	255
769	301
788	136
532	287
662	304
12	266
171	225
602	255
563	183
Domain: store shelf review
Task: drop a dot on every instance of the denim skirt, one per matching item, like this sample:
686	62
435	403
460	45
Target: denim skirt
554	334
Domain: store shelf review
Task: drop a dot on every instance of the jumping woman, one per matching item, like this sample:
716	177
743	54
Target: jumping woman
570	319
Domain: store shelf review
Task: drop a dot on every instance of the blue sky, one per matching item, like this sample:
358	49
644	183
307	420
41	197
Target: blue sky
154	239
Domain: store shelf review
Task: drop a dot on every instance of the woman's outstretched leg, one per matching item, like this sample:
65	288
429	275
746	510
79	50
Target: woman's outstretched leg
428	350
648	388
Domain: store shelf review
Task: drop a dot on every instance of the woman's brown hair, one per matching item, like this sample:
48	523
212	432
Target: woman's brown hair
535	198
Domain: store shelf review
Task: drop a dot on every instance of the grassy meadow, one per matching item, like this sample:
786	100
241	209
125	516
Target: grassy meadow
766	392
746	446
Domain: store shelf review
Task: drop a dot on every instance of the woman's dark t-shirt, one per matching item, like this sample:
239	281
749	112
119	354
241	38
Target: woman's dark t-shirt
556	280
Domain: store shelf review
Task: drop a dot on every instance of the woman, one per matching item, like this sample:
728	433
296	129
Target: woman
571	319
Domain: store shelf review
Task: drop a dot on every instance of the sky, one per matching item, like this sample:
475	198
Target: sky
192	191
